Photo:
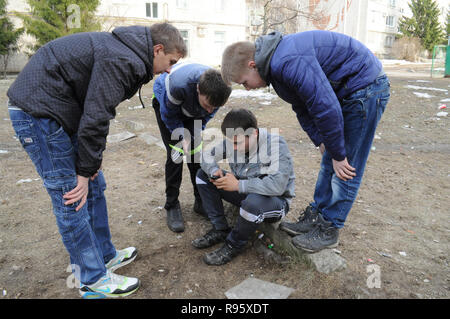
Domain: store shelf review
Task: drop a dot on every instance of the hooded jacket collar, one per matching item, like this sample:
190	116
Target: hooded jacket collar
265	47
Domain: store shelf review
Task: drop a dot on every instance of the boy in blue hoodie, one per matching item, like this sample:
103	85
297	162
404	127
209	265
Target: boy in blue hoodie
338	91
185	100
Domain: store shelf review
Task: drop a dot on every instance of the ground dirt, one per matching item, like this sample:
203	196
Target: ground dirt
402	210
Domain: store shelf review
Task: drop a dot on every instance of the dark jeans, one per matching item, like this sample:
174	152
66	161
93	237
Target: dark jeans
85	233
174	171
254	209
362	112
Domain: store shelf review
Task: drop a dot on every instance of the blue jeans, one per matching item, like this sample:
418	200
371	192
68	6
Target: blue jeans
362	111
85	233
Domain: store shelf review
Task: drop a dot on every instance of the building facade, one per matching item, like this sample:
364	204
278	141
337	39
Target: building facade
208	26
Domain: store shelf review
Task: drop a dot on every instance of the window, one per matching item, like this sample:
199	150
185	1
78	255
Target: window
182	4
390	21
185	36
392	3
389	41
220	5
219	42
151	9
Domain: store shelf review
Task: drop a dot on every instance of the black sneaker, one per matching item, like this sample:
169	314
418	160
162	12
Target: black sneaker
175	220
222	255
211	238
306	222
198	208
324	235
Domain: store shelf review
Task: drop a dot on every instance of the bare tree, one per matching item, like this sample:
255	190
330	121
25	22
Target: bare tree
281	15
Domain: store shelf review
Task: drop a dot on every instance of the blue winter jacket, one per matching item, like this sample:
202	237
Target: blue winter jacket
178	97
315	71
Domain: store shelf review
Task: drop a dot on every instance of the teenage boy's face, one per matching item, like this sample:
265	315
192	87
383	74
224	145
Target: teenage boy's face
204	102
163	62
251	79
245	143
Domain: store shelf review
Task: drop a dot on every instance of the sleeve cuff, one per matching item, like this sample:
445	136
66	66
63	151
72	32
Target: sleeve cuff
243	186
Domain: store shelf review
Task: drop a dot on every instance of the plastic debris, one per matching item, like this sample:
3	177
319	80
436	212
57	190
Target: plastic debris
442	114
443	106
270	246
385	254
402	253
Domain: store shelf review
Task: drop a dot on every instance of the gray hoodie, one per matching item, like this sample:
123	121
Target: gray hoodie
266	171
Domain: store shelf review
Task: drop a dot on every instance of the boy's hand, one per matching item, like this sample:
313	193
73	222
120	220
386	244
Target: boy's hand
322	148
344	170
78	193
218	173
228	183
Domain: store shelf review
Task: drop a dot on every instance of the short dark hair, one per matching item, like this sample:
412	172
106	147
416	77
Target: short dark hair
170	37
239	119
212	85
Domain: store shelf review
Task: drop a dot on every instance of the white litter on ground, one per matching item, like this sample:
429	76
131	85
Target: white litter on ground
423	95
442	114
445	100
415	87
3	152
252	94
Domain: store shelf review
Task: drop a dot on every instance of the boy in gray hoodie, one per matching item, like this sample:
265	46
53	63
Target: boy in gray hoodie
261	183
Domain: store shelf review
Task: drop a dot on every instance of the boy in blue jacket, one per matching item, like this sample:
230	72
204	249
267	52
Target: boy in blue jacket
60	107
338	91
185	100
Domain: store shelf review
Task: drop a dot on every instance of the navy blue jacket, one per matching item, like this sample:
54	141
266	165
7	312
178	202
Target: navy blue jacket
314	71
178	97
79	80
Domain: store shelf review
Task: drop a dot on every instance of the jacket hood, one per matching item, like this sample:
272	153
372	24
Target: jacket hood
265	47
139	40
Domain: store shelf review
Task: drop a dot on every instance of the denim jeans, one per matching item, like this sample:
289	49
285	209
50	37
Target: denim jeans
85	233
254	209
362	111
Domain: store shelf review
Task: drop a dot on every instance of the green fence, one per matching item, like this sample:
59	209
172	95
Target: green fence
440	65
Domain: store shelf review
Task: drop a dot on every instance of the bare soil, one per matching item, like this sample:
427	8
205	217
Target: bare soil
403	206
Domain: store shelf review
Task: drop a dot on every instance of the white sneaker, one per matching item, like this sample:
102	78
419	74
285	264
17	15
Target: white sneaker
110	285
123	257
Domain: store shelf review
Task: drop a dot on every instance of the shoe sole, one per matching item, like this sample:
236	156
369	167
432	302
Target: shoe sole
294	233
103	295
315	251
124	263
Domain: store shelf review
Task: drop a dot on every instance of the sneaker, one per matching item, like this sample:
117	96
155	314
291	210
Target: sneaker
175	220
306	222
110	285
222	255
123	257
211	238
324	235
198	208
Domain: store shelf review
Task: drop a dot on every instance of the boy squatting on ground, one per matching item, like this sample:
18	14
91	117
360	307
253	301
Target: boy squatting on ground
261	183
185	100
338	91
60	107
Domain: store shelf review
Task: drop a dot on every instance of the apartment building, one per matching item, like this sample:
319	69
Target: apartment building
208	26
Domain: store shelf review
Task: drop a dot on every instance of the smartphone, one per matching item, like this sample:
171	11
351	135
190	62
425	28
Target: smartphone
215	177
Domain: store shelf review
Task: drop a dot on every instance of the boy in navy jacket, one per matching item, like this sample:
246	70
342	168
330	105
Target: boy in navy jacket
338	91
185	100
